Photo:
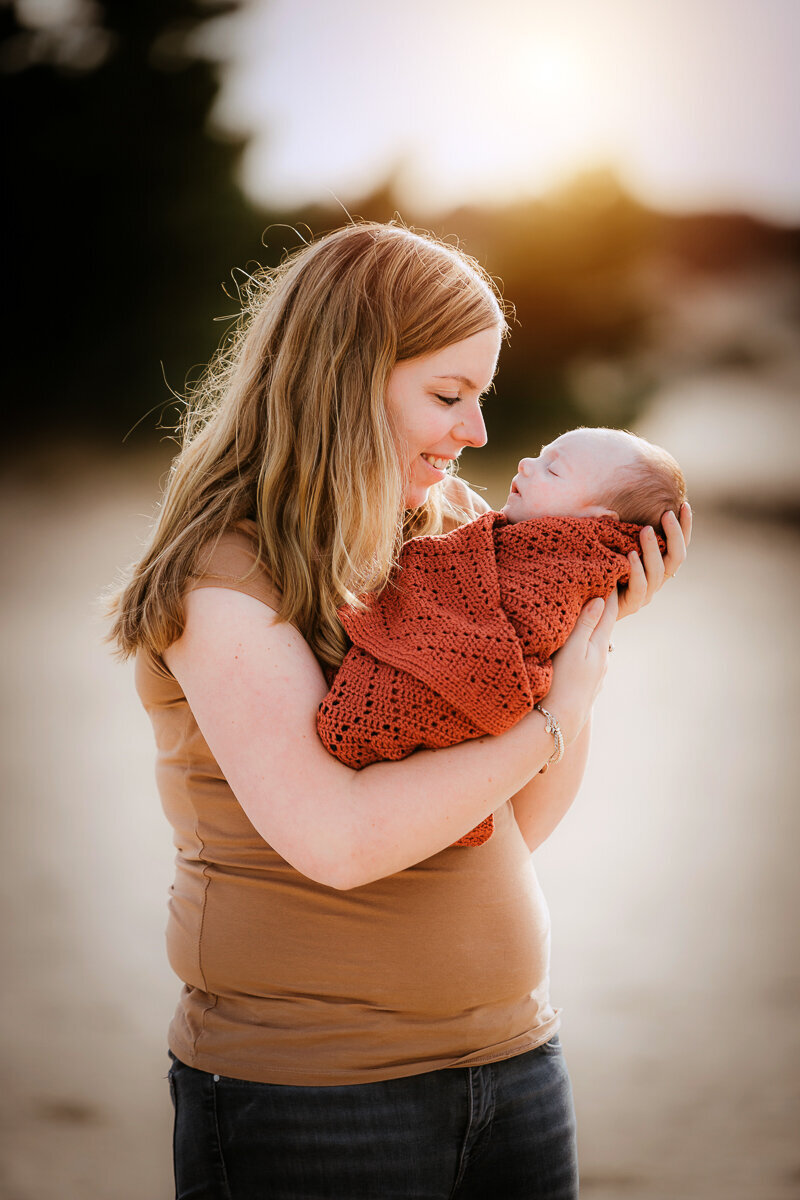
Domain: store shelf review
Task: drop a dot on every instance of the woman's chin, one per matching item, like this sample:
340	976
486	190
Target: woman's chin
417	493
415	496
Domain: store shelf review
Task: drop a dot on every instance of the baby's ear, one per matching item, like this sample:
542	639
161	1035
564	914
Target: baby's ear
596	510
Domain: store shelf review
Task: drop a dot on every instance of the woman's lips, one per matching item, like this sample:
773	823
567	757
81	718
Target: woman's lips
439	472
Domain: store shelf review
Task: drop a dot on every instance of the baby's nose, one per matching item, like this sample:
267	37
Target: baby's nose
525	465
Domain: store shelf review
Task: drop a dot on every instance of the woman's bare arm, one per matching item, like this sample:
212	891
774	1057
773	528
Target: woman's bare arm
544	800
254	687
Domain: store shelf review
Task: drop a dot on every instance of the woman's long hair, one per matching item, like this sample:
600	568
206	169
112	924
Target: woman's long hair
289	429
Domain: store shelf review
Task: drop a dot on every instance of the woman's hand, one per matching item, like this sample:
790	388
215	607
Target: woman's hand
580	665
649	572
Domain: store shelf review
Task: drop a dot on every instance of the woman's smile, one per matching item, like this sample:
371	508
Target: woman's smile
438	463
438	466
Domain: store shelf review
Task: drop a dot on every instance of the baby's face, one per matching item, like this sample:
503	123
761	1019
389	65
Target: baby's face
570	476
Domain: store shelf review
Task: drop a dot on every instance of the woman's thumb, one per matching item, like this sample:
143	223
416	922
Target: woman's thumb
592	612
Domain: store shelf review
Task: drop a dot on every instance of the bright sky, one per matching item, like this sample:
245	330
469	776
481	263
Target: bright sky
694	102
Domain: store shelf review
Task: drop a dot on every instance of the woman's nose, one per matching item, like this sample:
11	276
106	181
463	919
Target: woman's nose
474	428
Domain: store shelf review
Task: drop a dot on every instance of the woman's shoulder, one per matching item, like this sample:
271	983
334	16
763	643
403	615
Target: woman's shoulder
462	504
231	560
227	560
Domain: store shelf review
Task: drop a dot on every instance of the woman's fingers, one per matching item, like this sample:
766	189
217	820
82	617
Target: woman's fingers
678	535
649	571
635	593
654	567
597	618
605	626
590	615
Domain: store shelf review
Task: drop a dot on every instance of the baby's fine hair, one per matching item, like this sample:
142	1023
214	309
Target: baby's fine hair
649	486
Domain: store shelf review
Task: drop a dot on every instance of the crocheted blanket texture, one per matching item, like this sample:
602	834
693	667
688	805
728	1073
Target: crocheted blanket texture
459	643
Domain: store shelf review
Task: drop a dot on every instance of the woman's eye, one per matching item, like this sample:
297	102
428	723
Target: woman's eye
448	399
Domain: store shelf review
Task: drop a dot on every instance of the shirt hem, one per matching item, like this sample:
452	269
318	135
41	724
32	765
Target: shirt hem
343	1077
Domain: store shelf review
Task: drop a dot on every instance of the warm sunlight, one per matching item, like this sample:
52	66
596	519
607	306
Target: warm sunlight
553	70
691	105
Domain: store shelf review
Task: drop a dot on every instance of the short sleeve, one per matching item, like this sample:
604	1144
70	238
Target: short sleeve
231	561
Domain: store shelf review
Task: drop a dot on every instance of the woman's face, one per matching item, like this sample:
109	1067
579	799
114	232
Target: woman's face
434	406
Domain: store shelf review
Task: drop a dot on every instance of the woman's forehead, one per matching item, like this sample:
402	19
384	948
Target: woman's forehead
471	361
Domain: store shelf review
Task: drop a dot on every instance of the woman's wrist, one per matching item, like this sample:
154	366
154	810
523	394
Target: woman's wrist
552	727
570	720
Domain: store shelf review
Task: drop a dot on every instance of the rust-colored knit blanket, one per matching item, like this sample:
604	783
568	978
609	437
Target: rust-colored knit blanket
459	643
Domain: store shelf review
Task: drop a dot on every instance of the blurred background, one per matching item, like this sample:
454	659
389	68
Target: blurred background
630	173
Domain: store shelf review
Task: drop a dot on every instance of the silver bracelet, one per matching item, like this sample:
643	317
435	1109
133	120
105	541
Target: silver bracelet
552	726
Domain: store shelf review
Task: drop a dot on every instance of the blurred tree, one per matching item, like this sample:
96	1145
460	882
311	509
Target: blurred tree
584	269
568	263
125	221
123	214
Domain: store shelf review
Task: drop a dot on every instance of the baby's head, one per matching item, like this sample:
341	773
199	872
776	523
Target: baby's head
597	473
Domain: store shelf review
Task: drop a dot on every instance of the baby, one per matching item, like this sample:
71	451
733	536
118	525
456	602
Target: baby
597	473
459	643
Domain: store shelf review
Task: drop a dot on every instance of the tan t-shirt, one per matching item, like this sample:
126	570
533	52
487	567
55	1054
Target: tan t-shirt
287	981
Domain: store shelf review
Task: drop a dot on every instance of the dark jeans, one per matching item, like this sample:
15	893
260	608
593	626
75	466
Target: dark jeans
505	1130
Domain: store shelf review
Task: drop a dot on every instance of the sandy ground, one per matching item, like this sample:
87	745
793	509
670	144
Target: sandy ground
672	884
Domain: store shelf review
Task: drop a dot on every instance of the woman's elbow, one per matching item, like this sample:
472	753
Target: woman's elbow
342	881
326	870
336	875
327	860
345	868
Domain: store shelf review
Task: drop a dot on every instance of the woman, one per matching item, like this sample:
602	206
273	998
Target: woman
365	1010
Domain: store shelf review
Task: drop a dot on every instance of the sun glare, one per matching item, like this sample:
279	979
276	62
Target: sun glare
553	71
515	99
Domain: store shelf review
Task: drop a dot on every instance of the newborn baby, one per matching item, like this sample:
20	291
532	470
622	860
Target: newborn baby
459	643
597	473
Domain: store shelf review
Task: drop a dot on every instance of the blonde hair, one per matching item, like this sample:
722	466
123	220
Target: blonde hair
289	428
650	485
